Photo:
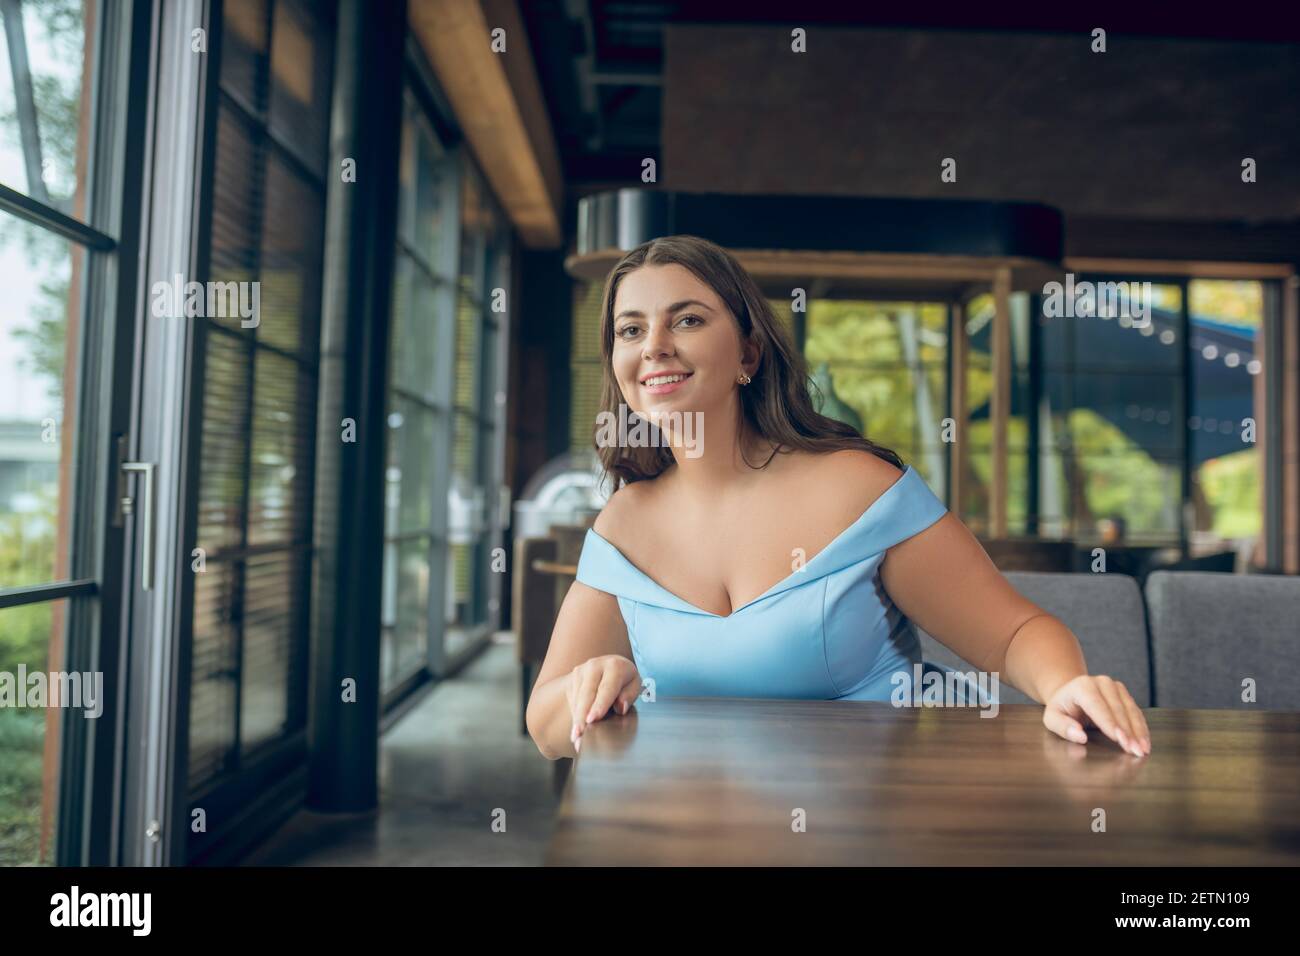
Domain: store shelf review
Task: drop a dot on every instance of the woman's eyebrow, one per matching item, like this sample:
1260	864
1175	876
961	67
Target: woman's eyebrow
637	314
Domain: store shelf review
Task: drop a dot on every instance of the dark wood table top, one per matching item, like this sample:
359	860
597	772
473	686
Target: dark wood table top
726	781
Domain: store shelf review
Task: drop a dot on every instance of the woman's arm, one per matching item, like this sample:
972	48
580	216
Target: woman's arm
944	581
589	626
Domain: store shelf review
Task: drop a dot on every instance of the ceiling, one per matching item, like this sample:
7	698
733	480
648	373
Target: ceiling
600	62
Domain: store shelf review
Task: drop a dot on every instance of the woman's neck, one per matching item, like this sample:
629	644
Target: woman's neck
727	462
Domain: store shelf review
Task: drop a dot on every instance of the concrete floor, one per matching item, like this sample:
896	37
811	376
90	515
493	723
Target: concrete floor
444	769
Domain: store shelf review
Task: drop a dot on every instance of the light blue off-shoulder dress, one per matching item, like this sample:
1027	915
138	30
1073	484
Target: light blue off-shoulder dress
828	631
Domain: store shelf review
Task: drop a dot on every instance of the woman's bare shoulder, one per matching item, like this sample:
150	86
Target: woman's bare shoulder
855	463
857	476
630	503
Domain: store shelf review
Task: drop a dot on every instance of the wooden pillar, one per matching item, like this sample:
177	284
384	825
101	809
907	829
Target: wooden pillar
957	411
1000	404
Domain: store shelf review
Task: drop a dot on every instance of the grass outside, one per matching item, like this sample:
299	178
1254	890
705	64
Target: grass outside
22	742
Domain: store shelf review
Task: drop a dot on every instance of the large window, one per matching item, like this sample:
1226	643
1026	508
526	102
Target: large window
1139	432
46	90
419	399
1225	424
886	363
1111	430
248	683
446	408
474	528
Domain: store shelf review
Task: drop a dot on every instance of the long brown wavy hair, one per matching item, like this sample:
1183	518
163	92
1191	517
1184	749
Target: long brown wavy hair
776	404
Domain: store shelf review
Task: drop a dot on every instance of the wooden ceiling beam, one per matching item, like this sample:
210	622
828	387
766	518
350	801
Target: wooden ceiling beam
497	101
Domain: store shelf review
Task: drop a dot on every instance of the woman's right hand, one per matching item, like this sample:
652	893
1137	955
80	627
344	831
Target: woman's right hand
598	686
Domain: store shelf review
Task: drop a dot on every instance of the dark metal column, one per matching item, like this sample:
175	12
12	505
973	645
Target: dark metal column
360	229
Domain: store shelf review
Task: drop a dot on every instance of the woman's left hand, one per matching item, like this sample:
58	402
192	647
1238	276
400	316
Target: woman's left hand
1097	700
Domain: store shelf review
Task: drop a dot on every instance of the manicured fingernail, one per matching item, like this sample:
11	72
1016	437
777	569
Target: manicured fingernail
577	745
623	710
573	733
591	715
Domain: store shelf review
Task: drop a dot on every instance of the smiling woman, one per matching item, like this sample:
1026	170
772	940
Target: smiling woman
714	576
733	332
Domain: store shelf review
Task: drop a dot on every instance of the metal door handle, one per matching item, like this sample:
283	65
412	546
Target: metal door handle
146	470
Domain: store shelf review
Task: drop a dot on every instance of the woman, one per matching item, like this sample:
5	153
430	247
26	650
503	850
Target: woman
675	582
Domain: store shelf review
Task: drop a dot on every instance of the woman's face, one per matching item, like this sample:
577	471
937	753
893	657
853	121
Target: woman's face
668	321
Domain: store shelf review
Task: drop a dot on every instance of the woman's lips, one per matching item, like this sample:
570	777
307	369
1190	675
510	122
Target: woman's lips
667	387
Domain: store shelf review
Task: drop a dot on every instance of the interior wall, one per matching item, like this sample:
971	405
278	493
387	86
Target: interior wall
1151	129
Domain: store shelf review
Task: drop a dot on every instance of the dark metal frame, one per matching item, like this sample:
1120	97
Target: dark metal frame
52	220
123	99
87	820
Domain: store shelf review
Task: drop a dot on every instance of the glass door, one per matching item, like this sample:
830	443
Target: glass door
70	134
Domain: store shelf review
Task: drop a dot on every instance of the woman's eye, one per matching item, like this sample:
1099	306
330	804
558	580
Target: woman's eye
621	333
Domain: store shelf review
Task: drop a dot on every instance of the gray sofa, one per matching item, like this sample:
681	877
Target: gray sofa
1199	640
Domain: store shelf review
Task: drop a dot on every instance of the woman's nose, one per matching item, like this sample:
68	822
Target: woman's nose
658	340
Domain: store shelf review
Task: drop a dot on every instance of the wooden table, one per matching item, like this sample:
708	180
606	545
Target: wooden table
719	781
